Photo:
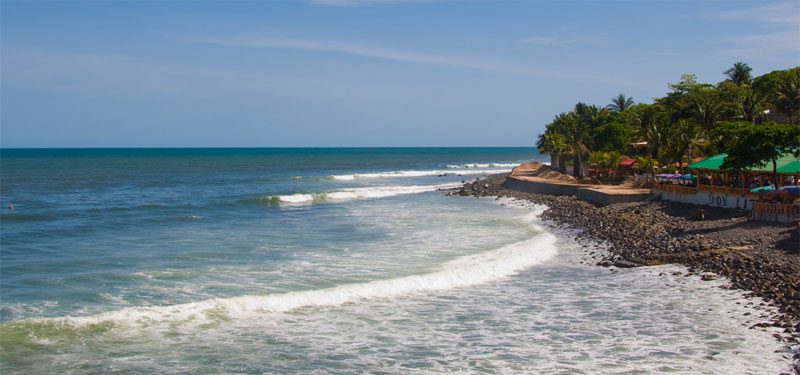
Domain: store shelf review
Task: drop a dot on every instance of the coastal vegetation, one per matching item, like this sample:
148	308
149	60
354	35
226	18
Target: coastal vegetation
753	119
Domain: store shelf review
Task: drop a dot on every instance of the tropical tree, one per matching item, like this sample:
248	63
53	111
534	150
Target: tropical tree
612	136
708	108
578	133
749	145
554	144
620	103
646	163
605	160
657	135
788	96
739	74
690	135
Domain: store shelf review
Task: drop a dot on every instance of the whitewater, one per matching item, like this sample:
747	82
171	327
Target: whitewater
256	261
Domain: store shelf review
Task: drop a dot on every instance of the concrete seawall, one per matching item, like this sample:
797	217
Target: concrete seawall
592	194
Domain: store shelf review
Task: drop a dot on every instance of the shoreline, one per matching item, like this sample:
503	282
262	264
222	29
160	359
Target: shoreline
758	257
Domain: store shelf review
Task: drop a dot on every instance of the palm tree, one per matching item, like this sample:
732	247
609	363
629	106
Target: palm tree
578	137
620	103
645	163
689	134
788	100
555	145
739	74
605	161
748	104
707	108
657	136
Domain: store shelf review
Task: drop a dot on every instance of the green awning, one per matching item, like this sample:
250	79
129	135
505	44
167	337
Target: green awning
790	167
787	163
711	162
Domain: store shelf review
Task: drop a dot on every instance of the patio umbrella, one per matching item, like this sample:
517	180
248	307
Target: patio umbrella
762	189
791	188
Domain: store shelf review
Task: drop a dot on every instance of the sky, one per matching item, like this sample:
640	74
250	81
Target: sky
356	73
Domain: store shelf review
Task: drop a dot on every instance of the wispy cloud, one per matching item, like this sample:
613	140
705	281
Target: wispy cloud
541	40
119	76
357	3
520	68
771	30
776	14
367	51
565	38
769	44
666	53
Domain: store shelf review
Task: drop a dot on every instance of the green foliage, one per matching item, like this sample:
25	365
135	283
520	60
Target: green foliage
739	74
687	135
750	146
605	160
679	126
620	103
612	136
788	95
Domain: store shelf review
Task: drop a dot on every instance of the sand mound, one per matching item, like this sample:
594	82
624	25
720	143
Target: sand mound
590	181
534	169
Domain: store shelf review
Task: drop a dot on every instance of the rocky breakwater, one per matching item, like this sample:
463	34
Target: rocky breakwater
759	257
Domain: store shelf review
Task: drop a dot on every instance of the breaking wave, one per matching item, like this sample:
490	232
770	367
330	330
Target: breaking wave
354	193
397	174
462	272
488	165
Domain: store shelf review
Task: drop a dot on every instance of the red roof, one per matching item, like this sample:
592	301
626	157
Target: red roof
627	162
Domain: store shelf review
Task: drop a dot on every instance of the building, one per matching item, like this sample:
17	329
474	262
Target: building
723	188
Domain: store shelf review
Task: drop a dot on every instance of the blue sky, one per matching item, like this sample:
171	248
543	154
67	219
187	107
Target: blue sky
356	72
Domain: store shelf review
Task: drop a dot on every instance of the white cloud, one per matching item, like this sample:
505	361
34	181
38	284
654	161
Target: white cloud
520	68
775	14
367	51
770	44
768	30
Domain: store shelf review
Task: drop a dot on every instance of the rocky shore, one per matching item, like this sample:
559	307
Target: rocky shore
759	257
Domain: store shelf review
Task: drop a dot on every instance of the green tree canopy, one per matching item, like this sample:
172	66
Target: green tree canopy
739	74
749	146
620	103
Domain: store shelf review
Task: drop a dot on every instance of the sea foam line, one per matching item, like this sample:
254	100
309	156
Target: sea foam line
462	272
356	193
483	165
399	174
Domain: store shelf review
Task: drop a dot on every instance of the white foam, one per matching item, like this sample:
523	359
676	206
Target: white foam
470	270
359	193
400	174
295	198
484	165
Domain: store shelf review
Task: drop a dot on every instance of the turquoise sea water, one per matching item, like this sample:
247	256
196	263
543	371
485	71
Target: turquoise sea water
327	261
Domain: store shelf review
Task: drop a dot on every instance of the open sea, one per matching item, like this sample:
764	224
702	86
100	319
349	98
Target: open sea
331	261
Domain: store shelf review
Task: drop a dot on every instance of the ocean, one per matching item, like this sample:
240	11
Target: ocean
331	261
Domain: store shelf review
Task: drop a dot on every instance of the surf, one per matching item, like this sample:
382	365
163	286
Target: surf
466	271
354	193
420	173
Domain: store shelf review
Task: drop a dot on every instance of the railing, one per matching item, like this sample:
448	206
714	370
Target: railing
737	191
676	189
722	190
776	208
